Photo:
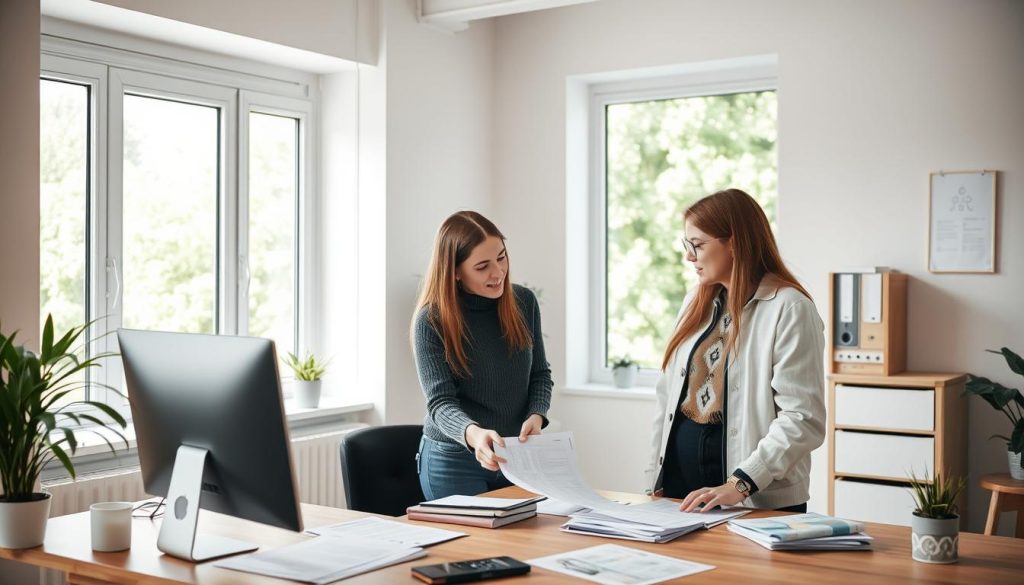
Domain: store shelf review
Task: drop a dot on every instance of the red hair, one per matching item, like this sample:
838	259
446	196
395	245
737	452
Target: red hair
735	216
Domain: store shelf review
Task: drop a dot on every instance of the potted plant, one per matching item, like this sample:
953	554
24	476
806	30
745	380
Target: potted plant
935	525
624	372
37	428
1010	402
307	372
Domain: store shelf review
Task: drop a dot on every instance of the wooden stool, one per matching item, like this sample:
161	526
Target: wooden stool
1007	496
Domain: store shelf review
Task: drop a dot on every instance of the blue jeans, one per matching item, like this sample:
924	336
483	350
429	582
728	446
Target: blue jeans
447	469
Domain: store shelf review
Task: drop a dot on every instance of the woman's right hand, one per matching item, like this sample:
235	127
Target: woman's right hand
482	442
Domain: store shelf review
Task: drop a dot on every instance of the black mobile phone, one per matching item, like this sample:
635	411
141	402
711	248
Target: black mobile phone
466	571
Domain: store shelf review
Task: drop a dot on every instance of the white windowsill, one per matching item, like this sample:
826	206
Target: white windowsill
329	407
610	391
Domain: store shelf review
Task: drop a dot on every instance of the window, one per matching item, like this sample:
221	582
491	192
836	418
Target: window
274	173
64	133
173	198
169	215
657	146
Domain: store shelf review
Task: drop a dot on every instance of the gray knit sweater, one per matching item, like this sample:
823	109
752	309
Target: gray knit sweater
503	389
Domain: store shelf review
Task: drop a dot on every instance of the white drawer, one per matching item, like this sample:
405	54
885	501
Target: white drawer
885	408
887	456
869	502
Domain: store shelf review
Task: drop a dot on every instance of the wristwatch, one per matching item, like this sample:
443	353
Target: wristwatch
740	484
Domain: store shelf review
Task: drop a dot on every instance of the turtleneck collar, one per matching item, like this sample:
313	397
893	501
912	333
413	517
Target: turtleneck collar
474	302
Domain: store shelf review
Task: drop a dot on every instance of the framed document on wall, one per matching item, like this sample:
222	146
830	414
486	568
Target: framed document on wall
962	222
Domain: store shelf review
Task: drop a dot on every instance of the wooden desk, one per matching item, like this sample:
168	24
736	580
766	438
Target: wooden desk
983	559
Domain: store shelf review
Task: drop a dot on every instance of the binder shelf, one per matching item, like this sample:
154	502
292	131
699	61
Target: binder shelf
880	428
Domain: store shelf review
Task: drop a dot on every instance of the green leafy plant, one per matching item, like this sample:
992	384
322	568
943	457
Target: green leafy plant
1007	400
623	362
308	369
936	498
35	428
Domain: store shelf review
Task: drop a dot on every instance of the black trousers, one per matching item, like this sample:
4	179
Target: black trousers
694	458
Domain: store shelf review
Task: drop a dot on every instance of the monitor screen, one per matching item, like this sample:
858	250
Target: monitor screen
221	394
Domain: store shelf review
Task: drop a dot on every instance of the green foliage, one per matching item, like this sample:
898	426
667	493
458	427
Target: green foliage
936	497
308	369
1007	400
623	362
35	428
662	157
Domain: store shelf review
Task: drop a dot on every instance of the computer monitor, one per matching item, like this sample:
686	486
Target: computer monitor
211	433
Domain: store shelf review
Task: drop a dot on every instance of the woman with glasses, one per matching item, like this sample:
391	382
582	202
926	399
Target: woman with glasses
740	403
480	359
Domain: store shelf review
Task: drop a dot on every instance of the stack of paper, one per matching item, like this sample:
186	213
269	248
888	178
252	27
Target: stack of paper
658	521
324	559
804	532
546	464
475	511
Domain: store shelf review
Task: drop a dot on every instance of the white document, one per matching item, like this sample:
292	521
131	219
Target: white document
398	533
482	503
612	564
323	559
546	464
558	508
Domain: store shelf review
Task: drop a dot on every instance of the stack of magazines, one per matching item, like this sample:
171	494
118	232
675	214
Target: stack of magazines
804	532
475	511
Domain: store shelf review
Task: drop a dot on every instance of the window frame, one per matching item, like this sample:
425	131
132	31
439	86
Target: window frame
57	68
176	75
697	80
307	284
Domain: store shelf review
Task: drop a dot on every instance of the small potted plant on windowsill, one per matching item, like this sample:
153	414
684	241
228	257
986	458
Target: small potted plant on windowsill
1010	402
308	373
935	525
624	372
38	423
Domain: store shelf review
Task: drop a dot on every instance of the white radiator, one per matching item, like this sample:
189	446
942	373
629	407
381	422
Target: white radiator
317	469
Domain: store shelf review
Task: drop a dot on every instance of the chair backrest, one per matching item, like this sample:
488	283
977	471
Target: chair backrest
378	468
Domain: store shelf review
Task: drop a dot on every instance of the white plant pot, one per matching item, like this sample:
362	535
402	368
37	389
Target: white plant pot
1016	471
624	377
23	524
935	540
307	393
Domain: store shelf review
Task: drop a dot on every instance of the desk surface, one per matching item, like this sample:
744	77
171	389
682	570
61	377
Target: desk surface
983	559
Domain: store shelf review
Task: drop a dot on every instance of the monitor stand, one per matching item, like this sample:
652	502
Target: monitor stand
178	533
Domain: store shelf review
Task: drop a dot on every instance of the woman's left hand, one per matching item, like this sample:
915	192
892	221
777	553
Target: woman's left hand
723	495
532	426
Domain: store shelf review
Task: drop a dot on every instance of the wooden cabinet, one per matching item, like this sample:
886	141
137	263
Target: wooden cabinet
882	428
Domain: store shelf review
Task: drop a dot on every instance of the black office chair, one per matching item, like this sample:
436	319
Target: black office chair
378	468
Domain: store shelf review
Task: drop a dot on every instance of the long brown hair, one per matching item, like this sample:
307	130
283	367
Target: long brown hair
455	241
733	215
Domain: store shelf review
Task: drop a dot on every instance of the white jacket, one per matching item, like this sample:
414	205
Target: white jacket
775	411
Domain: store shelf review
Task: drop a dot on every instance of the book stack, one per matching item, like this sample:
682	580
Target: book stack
803	532
475	511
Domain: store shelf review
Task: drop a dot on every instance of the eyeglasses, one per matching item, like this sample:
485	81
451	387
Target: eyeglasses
696	249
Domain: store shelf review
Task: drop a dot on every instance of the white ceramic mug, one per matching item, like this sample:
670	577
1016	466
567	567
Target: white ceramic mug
111	526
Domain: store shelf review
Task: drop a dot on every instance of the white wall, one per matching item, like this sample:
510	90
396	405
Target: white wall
439	140
328	27
872	96
19	167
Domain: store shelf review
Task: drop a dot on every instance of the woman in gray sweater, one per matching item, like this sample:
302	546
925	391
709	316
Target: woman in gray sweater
480	359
